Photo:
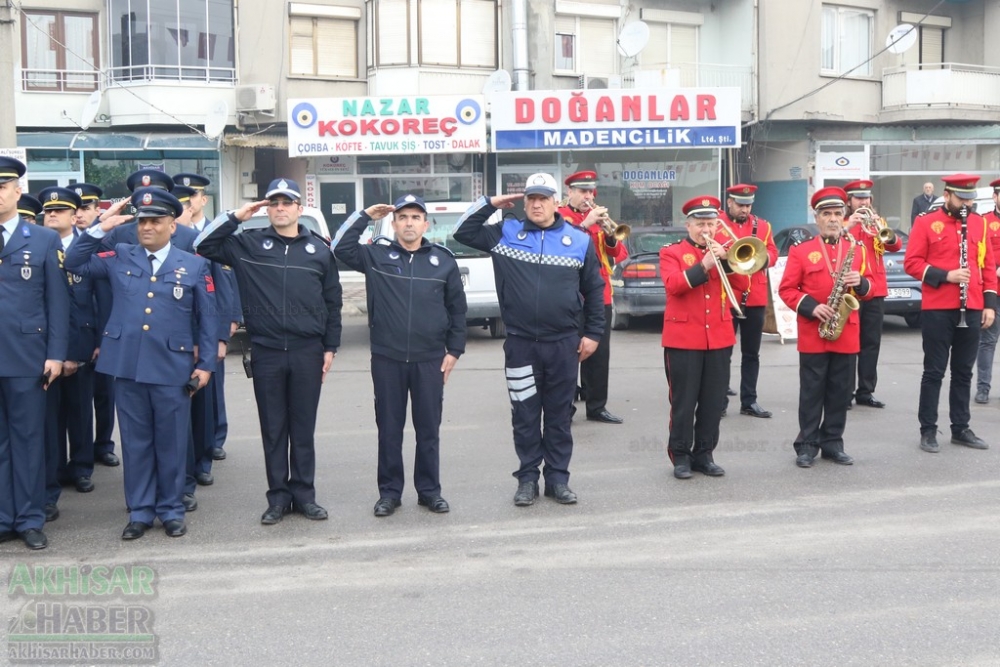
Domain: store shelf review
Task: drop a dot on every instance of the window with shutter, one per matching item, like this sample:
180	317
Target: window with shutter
393	25
597	46
439	32
478	36
565	43
337	48
300	40
931	47
684	52
656	54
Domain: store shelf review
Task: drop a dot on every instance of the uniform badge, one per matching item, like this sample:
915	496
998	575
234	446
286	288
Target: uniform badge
178	292
393	255
409	198
994	226
282	184
146	180
54	196
79	192
310	248
937	226
566	240
267	244
26	272
434	260
689	259
186	180
522	235
815	256
147	199
25	232
76	279
61	254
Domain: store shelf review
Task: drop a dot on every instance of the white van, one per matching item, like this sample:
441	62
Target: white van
476	266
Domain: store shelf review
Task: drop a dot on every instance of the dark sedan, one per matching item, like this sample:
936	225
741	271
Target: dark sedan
635	282
904	291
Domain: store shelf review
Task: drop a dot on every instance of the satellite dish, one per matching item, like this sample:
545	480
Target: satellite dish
215	121
633	38
498	82
90	109
901	38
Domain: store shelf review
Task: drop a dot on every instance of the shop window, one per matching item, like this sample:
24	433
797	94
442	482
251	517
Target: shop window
449	33
59	51
323	41
189	40
599	57
846	41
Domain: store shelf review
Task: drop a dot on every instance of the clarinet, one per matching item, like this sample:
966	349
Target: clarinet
963	263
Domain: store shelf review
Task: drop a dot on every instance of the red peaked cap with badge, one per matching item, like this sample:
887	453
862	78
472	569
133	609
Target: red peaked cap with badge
704	206
829	197
860	189
963	185
995	185
582	180
741	193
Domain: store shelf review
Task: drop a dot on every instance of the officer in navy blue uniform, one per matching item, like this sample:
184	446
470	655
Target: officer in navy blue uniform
163	308
34	333
29	208
290	290
543	266
416	319
69	419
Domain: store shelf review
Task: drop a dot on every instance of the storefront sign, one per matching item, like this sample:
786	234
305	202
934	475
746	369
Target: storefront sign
626	118
312	189
842	165
22	155
386	125
336	165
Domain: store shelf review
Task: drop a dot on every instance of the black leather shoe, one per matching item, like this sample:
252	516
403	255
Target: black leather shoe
730	392
982	397
839	457
969	439
386	506
190	502
83	484
870	401
108	459
134	530
273	514
312	511
34	539
682	471
526	494
436	504
204	479
218	454
561	493
51	512
175	527
804	461
712	469
929	443
754	410
605	417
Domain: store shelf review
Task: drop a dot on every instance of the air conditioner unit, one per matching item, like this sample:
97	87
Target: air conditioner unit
255	97
587	81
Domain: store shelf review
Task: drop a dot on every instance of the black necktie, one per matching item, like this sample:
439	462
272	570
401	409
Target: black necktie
1	240
151	258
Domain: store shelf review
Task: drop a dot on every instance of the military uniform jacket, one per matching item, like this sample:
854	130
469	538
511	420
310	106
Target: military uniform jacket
933	250
874	249
289	287
757	293
993	231
83	314
807	282
697	316
156	320
545	277
416	302
607	248
34	302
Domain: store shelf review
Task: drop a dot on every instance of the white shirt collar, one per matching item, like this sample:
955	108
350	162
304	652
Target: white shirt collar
11	225
67	240
160	256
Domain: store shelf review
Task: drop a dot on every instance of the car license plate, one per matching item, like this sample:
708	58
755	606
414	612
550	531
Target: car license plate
465	280
899	293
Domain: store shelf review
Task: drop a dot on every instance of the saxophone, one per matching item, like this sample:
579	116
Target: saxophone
842	301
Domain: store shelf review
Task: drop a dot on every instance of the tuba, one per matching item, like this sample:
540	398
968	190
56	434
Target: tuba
747	255
842	301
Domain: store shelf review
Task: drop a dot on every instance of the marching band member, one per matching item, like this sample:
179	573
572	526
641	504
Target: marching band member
988	337
815	269
951	315
698	339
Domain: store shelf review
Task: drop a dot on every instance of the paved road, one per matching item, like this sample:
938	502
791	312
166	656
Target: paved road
893	561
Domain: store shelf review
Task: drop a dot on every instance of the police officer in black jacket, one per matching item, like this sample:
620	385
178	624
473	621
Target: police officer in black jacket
543	265
416	316
291	295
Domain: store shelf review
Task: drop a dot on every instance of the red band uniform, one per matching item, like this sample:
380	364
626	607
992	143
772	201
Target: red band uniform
988	336
933	251
698	341
826	367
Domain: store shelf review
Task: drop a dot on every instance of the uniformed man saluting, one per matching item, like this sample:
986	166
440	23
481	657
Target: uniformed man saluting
163	308
34	334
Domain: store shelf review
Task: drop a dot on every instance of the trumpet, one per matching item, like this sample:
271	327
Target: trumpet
620	232
722	276
747	255
873	225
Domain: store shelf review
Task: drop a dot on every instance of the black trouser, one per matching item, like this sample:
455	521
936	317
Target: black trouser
68	419
104	413
697	381
751	330
826	384
202	437
286	384
541	382
943	337
872	313
424	382
594	371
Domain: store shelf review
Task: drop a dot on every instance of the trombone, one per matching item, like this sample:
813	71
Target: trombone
747	255
873	225
722	275
620	232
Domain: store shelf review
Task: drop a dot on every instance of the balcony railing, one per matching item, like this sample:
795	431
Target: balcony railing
941	85
59	80
140	73
701	75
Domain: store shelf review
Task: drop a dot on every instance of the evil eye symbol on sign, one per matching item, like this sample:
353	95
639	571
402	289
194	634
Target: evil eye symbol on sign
467	112
304	115
842	162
